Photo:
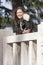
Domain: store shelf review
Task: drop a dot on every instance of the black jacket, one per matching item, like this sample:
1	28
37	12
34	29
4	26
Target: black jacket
25	24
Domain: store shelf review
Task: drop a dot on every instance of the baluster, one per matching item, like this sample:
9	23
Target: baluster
24	54
31	54
16	54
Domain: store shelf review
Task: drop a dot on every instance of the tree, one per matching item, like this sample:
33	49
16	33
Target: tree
5	16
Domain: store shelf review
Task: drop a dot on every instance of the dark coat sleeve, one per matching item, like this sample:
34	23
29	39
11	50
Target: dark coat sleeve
16	29
28	24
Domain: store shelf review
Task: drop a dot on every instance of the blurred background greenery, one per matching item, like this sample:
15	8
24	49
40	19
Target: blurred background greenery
33	7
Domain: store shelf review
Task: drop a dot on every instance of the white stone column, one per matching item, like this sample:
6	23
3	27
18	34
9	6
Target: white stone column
7	54
16	54
31	54
40	45
40	27
7	48
24	54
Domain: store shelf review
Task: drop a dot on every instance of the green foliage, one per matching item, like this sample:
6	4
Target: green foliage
5	22
35	3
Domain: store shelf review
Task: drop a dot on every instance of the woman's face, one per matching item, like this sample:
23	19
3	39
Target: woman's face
19	13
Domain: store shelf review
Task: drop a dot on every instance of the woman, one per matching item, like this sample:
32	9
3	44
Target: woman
21	24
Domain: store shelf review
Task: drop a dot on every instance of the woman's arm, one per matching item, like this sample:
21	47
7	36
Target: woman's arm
17	30
28	27
26	31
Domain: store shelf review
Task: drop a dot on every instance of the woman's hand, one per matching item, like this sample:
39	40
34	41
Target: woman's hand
26	17
26	31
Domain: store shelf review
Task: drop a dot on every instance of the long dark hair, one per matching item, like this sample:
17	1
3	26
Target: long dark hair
15	12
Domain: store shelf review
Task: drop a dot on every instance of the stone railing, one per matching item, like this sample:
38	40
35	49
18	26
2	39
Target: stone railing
24	49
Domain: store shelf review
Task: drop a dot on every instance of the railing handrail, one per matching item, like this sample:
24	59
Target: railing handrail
23	37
